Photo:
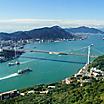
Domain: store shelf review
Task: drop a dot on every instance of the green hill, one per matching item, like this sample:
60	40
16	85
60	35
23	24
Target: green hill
98	63
64	94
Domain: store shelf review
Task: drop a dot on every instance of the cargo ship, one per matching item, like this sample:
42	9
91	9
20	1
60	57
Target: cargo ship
24	71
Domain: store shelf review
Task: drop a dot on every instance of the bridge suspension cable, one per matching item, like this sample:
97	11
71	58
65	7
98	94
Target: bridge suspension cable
99	51
78	49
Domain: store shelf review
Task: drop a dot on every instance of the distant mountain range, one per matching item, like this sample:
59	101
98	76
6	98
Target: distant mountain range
84	29
46	33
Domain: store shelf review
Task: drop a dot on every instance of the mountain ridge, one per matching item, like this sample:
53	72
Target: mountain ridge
45	33
84	29
48	33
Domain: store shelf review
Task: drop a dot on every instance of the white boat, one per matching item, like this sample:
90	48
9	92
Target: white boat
11	64
14	63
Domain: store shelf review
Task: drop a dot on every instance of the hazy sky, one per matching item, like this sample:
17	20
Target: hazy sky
28	14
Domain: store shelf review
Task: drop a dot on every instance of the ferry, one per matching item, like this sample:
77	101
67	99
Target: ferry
15	63
11	64
24	71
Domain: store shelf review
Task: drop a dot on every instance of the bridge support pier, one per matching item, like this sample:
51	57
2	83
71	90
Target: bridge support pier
89	51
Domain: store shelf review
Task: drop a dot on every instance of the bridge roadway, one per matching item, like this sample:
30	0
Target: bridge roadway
52	52
57	60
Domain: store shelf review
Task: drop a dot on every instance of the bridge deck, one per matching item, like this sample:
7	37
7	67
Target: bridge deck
50	52
41	58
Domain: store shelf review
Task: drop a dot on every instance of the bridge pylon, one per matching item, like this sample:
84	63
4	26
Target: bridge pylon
89	52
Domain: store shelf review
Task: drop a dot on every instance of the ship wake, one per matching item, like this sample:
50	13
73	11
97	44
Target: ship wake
26	62
9	76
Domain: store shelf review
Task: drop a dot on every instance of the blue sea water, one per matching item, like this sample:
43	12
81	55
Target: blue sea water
47	71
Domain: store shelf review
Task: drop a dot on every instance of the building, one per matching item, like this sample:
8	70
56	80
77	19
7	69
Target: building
44	92
51	87
9	94
96	72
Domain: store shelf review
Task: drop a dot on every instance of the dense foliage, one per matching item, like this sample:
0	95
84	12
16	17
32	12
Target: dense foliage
92	93
98	63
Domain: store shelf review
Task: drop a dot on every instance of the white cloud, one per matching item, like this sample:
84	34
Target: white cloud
27	24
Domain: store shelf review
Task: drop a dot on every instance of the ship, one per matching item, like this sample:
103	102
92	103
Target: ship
24	71
11	64
15	63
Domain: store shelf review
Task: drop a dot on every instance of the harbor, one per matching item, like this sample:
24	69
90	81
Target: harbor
42	70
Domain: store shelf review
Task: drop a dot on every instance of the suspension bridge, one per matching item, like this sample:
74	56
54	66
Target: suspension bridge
86	52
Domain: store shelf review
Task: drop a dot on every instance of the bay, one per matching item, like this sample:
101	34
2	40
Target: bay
47	71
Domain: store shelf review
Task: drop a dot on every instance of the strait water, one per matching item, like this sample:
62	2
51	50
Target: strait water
47	71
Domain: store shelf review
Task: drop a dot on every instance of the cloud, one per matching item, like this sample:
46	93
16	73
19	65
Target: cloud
12	25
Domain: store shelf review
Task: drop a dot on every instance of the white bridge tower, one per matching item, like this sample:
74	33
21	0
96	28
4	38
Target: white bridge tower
89	52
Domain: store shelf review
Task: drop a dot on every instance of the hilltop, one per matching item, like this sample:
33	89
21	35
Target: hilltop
46	33
49	33
84	29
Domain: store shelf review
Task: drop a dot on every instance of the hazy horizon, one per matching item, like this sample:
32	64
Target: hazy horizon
17	15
